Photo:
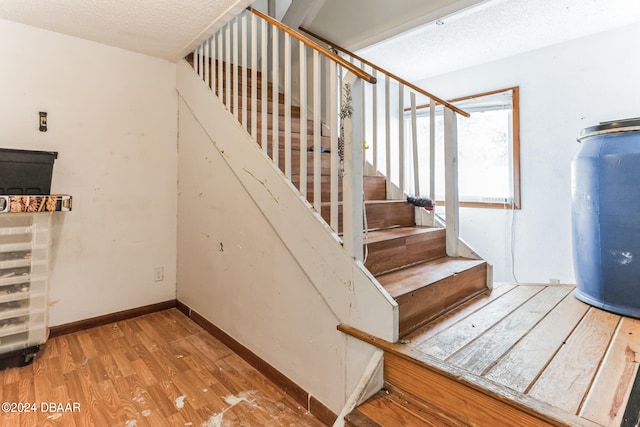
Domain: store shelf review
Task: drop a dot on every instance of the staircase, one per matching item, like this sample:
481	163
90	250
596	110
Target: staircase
413	263
408	260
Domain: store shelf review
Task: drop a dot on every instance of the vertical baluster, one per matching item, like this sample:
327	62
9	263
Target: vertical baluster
333	127
275	154
387	120
206	62
401	139
374	121
364	119
451	181
316	132
195	60
212	44
220	62
303	119
432	149
287	106
265	64
414	140
352	180
243	70
227	81
200	61
234	65
254	77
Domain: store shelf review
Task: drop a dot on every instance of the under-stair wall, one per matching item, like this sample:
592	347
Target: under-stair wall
245	265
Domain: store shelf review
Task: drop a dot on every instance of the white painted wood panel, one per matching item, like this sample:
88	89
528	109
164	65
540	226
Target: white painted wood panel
274	227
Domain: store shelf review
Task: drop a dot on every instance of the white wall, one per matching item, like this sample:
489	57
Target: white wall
563	89
112	118
255	261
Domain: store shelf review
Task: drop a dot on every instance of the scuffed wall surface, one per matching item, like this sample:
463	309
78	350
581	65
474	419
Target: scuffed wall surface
238	222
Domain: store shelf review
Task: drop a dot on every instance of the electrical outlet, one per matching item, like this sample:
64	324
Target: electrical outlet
554	281
158	274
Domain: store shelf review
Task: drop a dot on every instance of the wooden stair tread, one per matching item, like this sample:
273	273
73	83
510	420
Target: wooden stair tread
389	409
407	280
385	234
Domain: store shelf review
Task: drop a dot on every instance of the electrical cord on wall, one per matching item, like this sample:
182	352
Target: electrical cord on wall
366	230
512	243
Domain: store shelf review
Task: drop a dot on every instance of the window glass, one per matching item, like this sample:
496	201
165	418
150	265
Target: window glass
488	150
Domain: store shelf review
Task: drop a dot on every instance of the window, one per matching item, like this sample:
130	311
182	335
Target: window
488	150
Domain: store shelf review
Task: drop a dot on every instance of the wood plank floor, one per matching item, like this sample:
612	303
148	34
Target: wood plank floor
155	370
542	342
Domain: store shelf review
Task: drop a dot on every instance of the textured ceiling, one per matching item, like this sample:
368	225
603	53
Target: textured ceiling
498	29
162	28
354	24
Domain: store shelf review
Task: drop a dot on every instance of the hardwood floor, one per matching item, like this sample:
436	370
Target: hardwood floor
543	343
155	370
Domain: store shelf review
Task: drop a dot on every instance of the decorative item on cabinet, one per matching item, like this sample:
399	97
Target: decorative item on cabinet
26	211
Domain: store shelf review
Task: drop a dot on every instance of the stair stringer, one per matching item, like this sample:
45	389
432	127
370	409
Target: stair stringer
350	292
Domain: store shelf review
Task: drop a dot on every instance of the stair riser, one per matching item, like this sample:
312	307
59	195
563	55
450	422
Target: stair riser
240	98
380	215
445	393
371	187
295	111
325	168
398	409
240	84
389	215
397	253
418	307
295	123
214	63
295	140
375	188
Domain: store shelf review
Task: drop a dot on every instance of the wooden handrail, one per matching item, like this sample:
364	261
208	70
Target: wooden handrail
464	98
346	64
393	76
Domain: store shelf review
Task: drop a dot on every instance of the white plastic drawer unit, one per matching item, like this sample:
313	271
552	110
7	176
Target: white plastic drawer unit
25	241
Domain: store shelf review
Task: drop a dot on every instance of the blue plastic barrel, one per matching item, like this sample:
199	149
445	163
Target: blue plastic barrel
605	190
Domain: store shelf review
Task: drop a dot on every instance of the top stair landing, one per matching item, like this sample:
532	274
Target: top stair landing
525	355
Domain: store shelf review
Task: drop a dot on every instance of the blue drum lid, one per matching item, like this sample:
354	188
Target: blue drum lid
614	126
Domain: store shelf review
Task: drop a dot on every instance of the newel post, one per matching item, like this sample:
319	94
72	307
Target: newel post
452	214
353	197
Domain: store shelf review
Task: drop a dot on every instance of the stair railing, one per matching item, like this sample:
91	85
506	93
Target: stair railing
394	121
246	54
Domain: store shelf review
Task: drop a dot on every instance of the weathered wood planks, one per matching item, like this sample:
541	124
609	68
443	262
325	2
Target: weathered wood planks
463	332
521	366
566	380
480	355
536	344
609	394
